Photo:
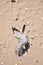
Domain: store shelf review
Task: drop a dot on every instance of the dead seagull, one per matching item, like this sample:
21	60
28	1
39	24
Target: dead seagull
23	43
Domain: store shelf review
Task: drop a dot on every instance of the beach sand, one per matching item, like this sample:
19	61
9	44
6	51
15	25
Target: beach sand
16	14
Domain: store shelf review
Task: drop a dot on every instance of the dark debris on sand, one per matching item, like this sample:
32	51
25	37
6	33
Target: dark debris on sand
13	1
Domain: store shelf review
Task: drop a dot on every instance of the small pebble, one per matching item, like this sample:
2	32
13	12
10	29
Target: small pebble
41	18
27	22
31	44
16	18
26	8
37	61
16	64
28	31
1	63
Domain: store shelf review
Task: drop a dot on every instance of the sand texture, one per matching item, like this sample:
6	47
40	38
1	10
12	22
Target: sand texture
16	14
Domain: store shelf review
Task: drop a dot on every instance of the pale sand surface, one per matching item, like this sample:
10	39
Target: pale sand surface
31	12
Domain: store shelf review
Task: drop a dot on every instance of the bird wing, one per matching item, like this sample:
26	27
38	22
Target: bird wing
17	34
21	38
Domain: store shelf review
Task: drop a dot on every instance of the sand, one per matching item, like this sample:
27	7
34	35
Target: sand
16	14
